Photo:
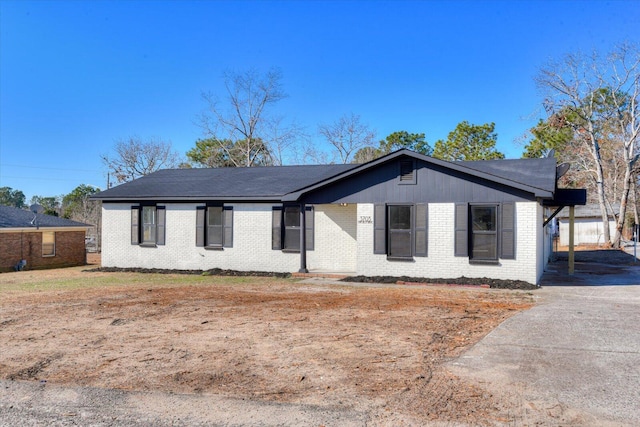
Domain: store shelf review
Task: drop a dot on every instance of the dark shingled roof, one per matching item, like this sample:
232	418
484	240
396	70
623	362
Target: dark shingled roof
537	176
11	217
259	183
538	173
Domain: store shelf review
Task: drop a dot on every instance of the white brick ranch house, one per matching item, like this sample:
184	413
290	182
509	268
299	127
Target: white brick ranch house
404	214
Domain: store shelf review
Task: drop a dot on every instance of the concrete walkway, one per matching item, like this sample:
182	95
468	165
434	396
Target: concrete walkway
575	355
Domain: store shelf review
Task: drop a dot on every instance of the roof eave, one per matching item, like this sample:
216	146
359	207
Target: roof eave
45	228
169	199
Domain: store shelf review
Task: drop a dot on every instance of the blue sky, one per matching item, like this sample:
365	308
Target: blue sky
77	76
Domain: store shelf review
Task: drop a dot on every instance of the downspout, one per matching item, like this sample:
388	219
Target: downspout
303	240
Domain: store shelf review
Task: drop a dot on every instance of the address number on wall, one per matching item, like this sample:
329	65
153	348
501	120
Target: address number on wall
364	219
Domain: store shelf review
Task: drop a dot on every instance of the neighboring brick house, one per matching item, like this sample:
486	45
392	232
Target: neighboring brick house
42	241
404	214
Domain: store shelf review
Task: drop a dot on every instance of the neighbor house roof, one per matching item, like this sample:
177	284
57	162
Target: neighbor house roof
591	210
11	217
536	176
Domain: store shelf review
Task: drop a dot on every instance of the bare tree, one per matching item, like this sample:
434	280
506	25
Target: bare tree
283	140
598	97
625	97
347	135
312	154
136	157
244	119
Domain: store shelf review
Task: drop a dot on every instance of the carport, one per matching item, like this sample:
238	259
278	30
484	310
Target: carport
564	197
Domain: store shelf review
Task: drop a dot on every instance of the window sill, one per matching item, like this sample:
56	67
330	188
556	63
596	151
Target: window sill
484	261
400	258
291	251
213	248
148	245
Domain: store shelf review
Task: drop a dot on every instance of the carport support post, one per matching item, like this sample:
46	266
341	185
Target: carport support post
571	226
303	240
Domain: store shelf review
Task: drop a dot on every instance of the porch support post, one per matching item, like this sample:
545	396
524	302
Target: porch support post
571	234
303	240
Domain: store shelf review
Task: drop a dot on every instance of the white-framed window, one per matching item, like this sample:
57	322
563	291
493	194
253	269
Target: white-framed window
291	241
286	228
214	226
148	225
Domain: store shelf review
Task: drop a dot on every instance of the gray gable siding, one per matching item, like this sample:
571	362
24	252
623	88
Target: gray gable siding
435	184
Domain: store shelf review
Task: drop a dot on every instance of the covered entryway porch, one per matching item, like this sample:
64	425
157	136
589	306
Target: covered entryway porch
334	252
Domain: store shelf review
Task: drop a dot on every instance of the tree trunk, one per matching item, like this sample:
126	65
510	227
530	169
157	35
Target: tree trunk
623	207
603	209
595	152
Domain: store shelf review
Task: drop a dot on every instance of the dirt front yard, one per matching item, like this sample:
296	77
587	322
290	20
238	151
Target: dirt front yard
379	350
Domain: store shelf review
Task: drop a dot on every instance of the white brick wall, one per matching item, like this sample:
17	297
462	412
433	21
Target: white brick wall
441	263
335	235
335	241
341	244
251	242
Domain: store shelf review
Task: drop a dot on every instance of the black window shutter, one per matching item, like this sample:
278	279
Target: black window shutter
380	229
227	221
200	214
309	229
421	229
461	242
160	224
276	228
508	231
135	225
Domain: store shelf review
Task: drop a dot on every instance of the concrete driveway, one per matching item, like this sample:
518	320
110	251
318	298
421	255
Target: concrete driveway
575	356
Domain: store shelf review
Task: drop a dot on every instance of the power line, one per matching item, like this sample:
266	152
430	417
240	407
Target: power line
48	168
40	179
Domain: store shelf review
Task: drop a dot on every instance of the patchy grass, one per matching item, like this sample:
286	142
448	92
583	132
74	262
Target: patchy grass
379	349
82	278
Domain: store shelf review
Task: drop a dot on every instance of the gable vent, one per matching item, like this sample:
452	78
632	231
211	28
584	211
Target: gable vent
406	171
